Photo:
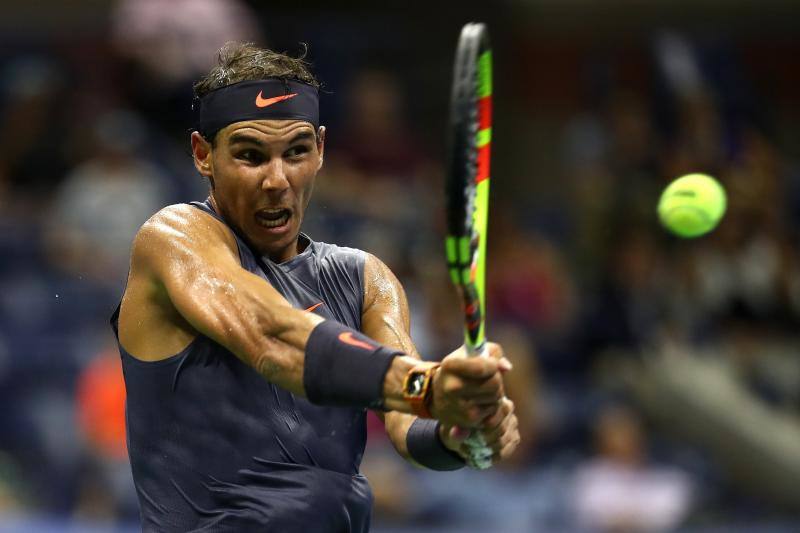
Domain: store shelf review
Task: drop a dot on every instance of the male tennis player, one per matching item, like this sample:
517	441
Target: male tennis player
251	352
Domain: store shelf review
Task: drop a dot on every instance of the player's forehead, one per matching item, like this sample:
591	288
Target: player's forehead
272	131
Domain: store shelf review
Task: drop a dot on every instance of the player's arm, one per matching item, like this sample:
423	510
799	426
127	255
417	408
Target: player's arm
386	318
189	262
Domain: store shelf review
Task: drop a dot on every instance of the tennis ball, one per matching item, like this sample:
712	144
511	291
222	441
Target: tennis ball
692	205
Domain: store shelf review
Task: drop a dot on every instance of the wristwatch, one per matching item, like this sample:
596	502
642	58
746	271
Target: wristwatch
418	389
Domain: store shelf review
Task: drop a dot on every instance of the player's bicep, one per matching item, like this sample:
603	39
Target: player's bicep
193	261
386	317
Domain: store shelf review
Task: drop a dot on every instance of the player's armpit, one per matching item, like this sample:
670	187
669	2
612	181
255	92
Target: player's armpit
191	259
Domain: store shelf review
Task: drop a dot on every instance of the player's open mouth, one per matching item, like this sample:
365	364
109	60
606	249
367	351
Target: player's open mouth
273	218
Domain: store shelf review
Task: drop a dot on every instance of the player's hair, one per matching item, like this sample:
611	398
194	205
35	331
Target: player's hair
246	62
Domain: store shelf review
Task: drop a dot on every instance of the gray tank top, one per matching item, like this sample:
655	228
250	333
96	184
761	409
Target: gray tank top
216	447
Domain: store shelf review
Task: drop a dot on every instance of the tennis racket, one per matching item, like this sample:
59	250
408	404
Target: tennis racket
467	192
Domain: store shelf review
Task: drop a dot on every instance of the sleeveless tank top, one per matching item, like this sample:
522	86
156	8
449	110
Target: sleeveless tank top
215	447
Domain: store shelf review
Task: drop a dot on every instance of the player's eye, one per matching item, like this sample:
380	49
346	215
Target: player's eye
297	151
251	156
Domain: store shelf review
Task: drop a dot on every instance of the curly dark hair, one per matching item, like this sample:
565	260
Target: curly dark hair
245	62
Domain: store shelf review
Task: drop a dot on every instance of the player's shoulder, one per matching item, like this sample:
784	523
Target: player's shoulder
179	218
177	225
369	265
334	253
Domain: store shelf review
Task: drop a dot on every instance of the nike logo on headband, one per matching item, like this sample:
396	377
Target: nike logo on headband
264	102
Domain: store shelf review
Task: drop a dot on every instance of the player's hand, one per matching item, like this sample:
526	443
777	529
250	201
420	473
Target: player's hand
468	390
500	431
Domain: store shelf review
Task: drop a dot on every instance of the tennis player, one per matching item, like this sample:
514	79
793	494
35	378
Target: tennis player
251	352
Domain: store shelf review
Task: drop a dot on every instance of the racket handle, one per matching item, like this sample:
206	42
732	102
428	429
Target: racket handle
480	455
482	350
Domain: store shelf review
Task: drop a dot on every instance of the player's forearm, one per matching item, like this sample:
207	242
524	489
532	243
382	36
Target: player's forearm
397	425
243	316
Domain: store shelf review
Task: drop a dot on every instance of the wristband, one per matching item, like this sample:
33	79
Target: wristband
427	449
344	367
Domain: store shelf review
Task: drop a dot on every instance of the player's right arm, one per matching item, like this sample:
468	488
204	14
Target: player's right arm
186	279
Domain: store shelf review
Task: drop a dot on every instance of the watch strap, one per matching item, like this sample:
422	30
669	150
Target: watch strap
420	400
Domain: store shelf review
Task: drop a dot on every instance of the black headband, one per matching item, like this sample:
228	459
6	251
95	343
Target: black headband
271	98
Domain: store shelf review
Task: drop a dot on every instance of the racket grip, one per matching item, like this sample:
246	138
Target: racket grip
478	351
480	455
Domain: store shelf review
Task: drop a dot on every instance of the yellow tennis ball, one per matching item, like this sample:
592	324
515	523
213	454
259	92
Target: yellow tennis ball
692	205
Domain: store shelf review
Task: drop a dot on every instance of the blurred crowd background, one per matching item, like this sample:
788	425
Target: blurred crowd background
657	380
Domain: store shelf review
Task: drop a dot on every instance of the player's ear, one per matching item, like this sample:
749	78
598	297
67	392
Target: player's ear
321	144
201	153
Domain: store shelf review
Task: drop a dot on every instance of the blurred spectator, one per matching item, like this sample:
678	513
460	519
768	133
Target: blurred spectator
100	405
619	489
32	131
529	283
176	40
106	492
102	202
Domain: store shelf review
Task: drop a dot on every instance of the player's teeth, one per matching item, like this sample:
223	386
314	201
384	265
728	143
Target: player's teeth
273	223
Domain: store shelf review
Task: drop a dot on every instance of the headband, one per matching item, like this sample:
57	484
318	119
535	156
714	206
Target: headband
266	99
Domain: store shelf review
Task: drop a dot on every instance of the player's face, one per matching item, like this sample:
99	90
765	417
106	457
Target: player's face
263	174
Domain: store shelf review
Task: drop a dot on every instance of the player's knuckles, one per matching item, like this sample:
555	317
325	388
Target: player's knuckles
494	386
487	411
500	428
507	452
510	420
451	384
508	406
494	421
479	397
477	368
509	448
495	350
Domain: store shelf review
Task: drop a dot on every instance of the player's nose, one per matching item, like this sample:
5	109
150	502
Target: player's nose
274	178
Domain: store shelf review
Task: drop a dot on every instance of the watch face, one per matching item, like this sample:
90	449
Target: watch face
415	384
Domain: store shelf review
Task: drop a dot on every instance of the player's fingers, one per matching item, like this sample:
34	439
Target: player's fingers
490	387
507	450
474	415
487	393
450	384
505	409
496	352
499	435
475	368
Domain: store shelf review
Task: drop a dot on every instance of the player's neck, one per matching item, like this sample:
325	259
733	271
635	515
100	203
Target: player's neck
297	247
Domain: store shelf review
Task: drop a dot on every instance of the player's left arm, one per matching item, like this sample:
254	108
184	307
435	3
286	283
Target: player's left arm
386	318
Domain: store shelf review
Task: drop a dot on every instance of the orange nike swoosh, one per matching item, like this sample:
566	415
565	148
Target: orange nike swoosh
264	102
347	338
314	307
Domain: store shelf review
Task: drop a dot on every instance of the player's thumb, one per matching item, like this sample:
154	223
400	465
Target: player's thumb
496	352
